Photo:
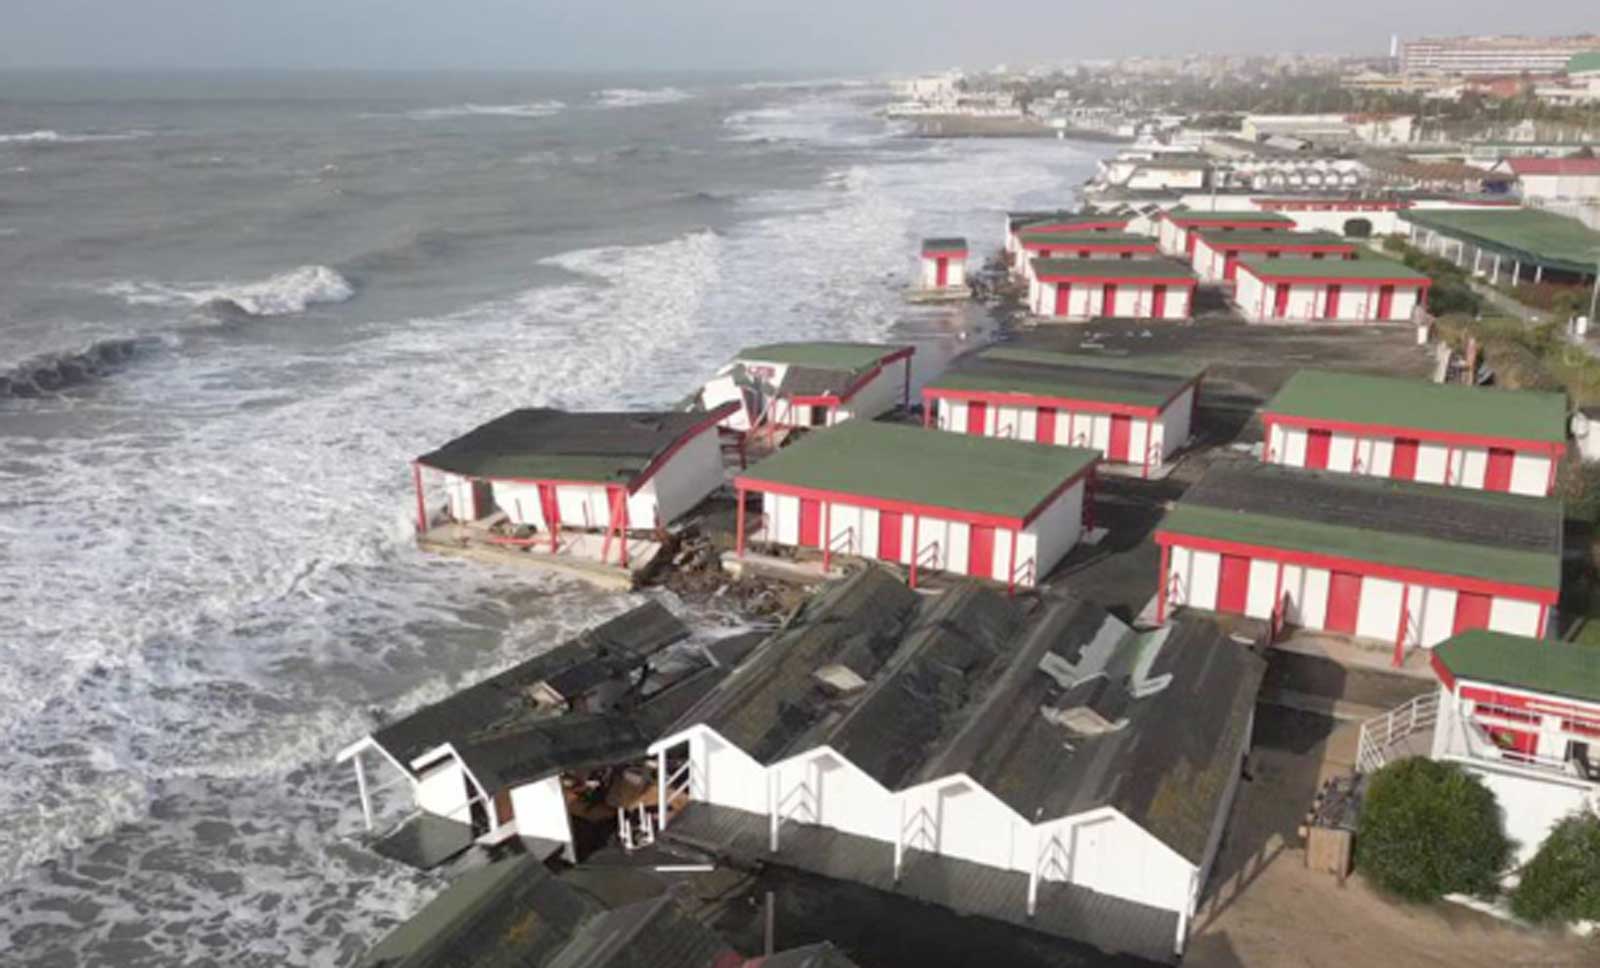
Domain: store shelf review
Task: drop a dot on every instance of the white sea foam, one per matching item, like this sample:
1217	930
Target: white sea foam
48	136
531	109
631	97
285	294
215	588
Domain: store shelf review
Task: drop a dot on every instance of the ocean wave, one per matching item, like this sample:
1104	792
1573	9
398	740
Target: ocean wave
531	109
285	294
632	97
53	373
48	136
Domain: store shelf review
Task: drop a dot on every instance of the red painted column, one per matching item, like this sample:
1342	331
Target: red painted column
422	504
1161	592
1544	612
739	527
622	532
1011	569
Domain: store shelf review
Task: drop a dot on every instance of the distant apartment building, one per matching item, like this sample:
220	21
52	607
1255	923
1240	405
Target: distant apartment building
1492	55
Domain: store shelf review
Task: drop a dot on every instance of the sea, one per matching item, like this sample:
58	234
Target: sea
234	306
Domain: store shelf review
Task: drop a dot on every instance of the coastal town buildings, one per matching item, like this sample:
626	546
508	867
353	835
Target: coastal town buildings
1554	179
1218	254
779	386
1134	412
944	264
1329	290
971	505
1326	129
546	471
1400	562
1177	229
1412	430
1013	760
1492	54
1080	289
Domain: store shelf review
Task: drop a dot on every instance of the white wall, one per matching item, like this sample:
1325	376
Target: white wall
541	811
823	788
956	817
1086	300
1173	430
881	394
443	791
1049	537
1105	851
1529	806
1429	610
680	484
724	774
1530	472
956	273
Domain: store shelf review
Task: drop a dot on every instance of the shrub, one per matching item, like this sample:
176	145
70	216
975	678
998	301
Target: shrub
1562	882
1395	243
1449	295
1429	829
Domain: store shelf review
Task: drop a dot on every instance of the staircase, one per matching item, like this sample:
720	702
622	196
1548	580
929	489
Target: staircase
1406	730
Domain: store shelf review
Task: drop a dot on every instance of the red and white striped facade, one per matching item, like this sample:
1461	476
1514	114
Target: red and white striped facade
1267	298
944	267
1177	234
1122	433
1049	246
1217	258
1016	551
1332	593
1098	222
1081	296
1413	454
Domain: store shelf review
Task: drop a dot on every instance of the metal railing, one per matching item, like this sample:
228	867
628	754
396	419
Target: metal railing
1025	574
1381	734
845	547
928	556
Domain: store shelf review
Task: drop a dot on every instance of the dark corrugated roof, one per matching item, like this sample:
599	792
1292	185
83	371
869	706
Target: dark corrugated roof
543	444
773	698
502	703
650	934
823	955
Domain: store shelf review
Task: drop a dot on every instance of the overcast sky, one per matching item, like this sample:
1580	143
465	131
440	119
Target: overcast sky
786	35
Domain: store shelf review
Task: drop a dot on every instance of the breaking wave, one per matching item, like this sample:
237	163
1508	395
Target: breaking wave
285	294
57	372
632	97
47	136
532	109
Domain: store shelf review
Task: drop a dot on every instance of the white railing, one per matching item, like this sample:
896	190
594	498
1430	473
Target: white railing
1381	734
1469	741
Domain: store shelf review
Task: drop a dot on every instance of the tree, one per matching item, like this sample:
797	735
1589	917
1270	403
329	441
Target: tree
1562	882
1429	829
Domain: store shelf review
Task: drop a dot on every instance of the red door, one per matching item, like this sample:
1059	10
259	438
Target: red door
1233	585
549	507
941	272
1188	244
1404	467
1385	302
1045	425
980	551
1230	266
889	527
977	417
1063	297
1498	475
1472	612
1331	309
1344	602
1317	443
810	523
1108	300
1121	437
1158	302
1280	300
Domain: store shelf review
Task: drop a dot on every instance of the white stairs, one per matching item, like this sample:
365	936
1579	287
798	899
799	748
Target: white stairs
1406	730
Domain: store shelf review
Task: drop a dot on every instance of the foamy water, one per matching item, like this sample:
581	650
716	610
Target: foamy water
633	97
218	583
535	109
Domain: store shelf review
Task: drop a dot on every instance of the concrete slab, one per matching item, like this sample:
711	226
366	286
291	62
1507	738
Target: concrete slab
578	553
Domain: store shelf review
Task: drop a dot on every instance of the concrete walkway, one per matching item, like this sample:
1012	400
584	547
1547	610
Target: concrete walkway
1352	653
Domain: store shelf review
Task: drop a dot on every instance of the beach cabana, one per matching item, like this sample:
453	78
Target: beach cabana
1343	291
810	384
1217	255
1081	289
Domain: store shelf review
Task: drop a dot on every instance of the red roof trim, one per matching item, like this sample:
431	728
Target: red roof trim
1033	228
1554	166
1442	671
1002	398
1089	242
1220	243
835	399
1545	447
1310	559
712	418
1255	269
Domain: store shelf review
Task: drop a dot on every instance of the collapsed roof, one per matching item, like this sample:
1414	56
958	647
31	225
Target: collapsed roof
1055	707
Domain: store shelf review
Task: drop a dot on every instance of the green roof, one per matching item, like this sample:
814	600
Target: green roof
1538	665
1069	218
1381	541
851	357
1219	238
1082	239
1443	407
1142	382
1542	238
895	462
1386	270
1244	215
1112	269
1584	63
948	244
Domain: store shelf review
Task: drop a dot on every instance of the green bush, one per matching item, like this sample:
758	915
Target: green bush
1429	829
1562	882
1395	243
1449	295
